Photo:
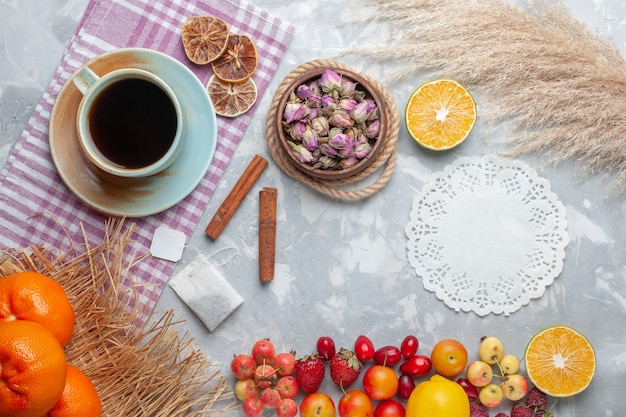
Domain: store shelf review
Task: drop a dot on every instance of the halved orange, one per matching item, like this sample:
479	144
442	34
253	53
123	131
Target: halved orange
440	114
238	62
230	99
560	361
204	38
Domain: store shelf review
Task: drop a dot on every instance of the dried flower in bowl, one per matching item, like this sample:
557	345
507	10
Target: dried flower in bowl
330	122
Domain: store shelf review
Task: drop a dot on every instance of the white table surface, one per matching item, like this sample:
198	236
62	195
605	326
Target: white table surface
341	268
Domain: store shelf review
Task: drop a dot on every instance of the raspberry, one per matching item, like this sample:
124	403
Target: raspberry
502	415
537	399
521	411
477	410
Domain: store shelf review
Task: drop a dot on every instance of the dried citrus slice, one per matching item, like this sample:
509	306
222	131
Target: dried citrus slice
440	114
230	99
204	38
238	62
560	361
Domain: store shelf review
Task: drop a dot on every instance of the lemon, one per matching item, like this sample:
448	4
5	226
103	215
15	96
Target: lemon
438	397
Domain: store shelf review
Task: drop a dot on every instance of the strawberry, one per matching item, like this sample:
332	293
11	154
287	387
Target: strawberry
310	372
345	367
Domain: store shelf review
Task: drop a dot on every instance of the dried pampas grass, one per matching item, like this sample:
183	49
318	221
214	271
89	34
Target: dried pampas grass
139	371
562	87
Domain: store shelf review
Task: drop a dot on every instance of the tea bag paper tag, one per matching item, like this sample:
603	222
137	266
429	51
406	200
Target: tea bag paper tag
206	292
167	244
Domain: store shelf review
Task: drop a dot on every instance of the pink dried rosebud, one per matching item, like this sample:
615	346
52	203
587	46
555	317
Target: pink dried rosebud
362	148
296	130
295	111
330	81
315	88
347	104
334	130
301	153
314	100
340	141
349	161
347	87
342	120
363	110
320	125
329	104
311	139
373	129
327	150
303	92
343	143
326	162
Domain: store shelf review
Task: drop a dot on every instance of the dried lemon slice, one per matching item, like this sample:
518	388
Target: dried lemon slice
560	361
238	62
230	99
204	38
440	114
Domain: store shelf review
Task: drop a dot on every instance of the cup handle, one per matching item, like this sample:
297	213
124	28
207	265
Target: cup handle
84	79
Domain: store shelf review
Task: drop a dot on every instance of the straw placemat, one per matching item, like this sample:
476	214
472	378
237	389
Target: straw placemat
381	168
137	371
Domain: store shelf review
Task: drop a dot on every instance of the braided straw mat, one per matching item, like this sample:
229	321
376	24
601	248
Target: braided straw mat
141	364
336	188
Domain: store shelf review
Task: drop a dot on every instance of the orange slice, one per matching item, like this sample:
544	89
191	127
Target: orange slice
204	38
560	361
238	62
230	99
440	114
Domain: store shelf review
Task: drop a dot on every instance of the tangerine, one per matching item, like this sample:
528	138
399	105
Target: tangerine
230	99
560	361
238	62
204	38
440	114
79	397
33	368
36	297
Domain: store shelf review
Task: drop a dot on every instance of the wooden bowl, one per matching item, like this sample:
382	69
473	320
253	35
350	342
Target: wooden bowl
336	173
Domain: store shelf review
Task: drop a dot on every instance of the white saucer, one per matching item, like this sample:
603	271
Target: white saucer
136	197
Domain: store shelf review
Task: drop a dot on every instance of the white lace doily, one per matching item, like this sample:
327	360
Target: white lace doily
487	235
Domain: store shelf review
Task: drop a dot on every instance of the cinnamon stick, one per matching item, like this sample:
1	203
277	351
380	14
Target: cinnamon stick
235	197
267	233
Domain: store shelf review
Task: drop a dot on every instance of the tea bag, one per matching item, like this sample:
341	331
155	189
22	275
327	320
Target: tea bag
167	244
206	292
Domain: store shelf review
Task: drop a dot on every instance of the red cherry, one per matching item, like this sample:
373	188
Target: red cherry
326	347
364	348
409	346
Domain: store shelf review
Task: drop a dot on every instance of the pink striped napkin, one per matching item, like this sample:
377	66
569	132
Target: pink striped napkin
30	185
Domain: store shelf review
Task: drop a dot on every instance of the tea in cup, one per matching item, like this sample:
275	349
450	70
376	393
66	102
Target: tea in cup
129	121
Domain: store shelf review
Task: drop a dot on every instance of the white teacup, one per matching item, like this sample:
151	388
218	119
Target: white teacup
129	121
